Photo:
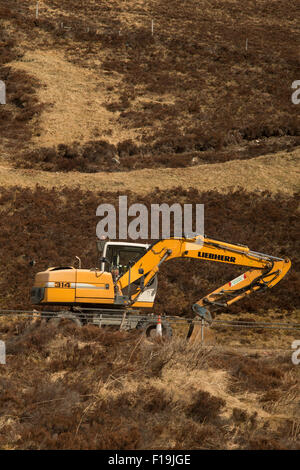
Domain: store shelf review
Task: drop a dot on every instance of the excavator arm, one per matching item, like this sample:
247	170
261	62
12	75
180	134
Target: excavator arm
265	270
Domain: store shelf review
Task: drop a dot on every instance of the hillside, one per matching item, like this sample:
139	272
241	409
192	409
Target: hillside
185	101
88	81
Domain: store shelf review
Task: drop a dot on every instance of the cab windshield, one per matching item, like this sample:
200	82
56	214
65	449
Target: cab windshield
119	257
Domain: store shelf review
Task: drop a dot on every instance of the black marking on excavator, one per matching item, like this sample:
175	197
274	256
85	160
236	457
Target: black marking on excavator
227	259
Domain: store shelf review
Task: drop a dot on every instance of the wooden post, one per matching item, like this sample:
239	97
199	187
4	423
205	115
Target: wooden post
246	44
152	27
37	11
123	321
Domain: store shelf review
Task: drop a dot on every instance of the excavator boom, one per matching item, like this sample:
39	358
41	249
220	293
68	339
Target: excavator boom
265	270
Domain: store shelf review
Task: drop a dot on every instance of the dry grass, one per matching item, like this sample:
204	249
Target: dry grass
263	339
90	389
74	98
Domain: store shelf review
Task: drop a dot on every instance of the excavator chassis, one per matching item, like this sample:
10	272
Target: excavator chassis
116	318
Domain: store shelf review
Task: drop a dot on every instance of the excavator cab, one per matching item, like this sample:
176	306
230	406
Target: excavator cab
117	258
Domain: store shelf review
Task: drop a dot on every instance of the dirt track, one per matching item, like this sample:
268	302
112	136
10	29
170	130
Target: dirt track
271	172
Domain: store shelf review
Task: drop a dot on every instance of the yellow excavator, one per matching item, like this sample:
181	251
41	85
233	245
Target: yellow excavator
126	280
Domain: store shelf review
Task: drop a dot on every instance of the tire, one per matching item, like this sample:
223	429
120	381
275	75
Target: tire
65	316
149	329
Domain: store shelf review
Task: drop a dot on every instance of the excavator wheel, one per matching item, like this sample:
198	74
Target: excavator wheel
65	315
149	329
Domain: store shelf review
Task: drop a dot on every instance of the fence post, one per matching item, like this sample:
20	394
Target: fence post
2	92
123	320
2	352
152	27
37	11
246	44
202	330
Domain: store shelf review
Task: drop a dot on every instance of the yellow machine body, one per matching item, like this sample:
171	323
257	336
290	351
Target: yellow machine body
71	286
128	275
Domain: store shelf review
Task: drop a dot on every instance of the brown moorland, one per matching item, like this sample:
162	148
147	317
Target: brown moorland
90	388
192	91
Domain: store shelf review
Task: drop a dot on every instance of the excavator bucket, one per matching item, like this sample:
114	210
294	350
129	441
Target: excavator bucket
195	333
200	332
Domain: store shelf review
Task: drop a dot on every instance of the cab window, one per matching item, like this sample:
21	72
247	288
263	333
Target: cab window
119	257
